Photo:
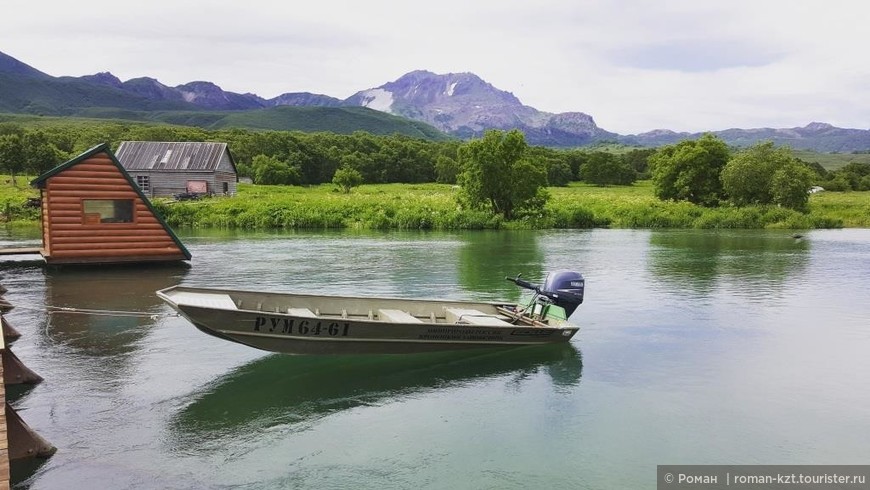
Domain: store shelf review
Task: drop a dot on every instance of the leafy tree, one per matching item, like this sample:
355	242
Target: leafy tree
765	174
271	171
748	176
446	170
638	160
852	173
689	170
40	155
12	157
347	178
790	184
817	168
604	168
575	159
559	173
497	176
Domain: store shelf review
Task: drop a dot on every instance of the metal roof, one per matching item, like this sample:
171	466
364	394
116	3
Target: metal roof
169	156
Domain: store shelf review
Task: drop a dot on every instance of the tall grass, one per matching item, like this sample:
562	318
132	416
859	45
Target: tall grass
433	206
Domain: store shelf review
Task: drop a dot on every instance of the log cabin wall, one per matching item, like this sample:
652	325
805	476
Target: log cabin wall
93	213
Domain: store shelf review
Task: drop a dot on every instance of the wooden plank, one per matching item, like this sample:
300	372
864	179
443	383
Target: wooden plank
114	246
95	189
115	259
135	238
20	251
4	439
126	254
56	227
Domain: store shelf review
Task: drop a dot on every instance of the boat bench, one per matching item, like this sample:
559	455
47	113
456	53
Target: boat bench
204	300
473	317
301	312
397	316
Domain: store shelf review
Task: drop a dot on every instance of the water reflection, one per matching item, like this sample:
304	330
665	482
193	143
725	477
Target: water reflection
486	258
701	260
122	289
279	390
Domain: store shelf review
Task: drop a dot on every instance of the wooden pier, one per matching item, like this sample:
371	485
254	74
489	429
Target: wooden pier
21	251
4	440
17	440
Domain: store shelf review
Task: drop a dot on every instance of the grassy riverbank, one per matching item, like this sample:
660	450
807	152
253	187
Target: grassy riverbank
433	206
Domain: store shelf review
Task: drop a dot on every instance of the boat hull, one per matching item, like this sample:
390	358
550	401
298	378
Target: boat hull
276	331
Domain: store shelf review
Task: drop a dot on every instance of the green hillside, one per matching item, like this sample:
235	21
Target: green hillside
341	120
832	161
67	96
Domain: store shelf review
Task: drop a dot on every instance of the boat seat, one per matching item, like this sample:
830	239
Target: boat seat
303	312
205	300
473	317
397	316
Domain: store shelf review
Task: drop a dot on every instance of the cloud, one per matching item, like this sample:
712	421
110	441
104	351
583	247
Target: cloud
699	55
634	65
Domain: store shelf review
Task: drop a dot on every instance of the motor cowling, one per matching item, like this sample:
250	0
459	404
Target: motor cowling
565	289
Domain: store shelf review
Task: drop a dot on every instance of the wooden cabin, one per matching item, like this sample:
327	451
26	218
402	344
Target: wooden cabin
93	212
168	169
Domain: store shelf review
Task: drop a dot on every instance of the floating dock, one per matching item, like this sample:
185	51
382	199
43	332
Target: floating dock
21	251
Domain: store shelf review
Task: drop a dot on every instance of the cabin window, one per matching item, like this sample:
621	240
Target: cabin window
98	211
144	182
226	188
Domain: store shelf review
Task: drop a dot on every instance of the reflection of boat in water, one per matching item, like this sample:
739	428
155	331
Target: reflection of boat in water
327	324
82	302
278	390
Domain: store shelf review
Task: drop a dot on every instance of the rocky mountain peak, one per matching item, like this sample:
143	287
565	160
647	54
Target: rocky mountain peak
104	78
818	126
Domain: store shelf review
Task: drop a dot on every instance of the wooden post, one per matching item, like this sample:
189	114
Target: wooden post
17	439
4	436
24	442
9	332
15	372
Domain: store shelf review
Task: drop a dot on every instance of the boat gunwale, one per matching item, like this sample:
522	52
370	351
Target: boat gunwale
162	293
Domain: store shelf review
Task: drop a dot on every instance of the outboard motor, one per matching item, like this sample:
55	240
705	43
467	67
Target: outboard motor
562	288
565	288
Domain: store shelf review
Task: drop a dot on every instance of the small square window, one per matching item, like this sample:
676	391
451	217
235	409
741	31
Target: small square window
144	182
107	211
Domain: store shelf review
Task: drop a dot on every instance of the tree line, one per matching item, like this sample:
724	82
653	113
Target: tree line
707	172
498	172
296	158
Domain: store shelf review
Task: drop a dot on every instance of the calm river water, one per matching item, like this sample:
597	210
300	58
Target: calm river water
696	347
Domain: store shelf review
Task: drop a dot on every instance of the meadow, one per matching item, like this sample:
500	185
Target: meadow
434	206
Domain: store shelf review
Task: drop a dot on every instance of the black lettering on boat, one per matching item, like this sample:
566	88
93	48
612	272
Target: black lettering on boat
303	327
275	322
259	322
288	325
537	332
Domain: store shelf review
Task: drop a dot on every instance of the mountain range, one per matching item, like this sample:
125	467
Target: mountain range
420	104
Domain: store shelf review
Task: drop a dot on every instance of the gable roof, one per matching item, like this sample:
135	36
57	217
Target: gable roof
40	182
172	156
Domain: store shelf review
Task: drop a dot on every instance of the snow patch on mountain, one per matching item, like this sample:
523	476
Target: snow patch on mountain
377	99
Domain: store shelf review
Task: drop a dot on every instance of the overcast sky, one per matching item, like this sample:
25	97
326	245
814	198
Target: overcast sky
632	65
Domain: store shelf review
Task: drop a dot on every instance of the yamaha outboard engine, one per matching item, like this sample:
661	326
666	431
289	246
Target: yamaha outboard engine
562	288
565	288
